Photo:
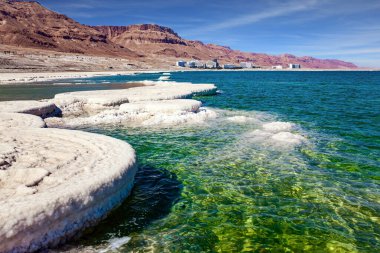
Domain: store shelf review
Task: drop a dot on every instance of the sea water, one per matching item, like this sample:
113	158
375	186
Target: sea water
291	164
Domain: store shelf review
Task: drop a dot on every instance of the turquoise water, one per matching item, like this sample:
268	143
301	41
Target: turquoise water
214	187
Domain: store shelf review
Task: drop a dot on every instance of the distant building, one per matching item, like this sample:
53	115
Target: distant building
277	67
216	62
181	64
195	64
191	64
231	66
200	65
212	65
246	65
294	66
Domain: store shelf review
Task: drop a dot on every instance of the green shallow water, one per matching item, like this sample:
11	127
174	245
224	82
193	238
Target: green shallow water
215	187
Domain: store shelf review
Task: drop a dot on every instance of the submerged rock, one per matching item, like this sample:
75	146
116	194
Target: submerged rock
277	126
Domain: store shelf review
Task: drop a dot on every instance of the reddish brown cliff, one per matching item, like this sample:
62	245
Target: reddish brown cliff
161	41
28	24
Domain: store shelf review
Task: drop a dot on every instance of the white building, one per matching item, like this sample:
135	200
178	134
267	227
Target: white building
246	65
277	67
211	65
191	64
294	66
231	66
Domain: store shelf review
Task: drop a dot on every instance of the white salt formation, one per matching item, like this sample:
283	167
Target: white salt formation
154	103
20	120
76	103
277	126
163	106
55	183
276	134
149	113
240	119
37	108
290	138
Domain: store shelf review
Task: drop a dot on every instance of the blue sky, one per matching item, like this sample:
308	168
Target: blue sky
334	29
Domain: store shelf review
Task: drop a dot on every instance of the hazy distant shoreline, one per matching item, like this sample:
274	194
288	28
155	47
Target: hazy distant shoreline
28	78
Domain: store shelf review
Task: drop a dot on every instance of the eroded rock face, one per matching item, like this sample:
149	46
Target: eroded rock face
28	24
150	39
54	183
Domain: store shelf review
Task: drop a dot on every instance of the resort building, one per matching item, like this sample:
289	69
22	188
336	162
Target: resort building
277	67
294	66
212	65
191	64
231	66
246	65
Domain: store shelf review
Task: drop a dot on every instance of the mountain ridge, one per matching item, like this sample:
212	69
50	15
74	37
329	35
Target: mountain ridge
28	24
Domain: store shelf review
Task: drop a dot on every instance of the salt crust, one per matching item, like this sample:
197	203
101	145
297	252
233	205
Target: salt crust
276	134
277	126
20	120
37	108
154	103
58	182
75	103
150	113
55	183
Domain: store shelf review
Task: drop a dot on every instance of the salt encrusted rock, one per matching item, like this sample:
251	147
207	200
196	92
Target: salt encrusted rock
76	103
277	126
163	106
240	119
37	108
54	183
175	90
20	120
289	138
157	113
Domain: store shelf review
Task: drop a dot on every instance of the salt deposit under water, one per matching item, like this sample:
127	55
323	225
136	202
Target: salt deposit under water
290	163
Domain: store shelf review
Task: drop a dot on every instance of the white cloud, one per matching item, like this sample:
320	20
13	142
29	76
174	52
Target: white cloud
280	9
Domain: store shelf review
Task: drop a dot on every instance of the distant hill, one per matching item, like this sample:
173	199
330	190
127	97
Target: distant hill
30	25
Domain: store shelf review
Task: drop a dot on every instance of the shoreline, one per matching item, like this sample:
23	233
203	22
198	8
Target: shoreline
27	77
31	78
78	178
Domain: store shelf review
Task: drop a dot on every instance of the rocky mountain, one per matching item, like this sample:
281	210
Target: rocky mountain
156	40
30	25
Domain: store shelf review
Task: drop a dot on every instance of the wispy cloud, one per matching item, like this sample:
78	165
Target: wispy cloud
281	9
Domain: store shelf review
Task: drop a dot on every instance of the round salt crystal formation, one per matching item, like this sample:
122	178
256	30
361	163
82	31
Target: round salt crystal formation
55	183
162	106
20	120
277	126
37	108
